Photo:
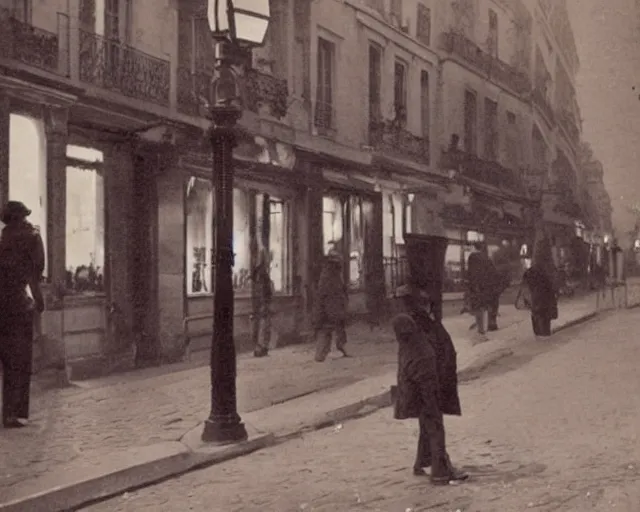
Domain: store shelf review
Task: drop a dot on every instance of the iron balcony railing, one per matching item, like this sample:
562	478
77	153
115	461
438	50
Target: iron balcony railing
399	142
264	93
117	67
396	270
471	53
30	45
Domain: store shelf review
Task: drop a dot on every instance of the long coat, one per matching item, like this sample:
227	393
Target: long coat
332	299
418	389
542	290
446	360
481	278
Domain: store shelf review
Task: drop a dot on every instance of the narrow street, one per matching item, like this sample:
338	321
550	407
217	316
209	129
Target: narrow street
553	427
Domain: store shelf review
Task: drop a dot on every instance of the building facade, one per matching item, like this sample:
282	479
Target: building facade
350	108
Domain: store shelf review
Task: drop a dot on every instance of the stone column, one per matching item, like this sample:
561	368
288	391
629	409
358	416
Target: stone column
170	186
118	190
56	119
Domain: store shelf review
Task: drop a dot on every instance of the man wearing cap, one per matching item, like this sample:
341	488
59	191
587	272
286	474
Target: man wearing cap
21	266
331	305
426	365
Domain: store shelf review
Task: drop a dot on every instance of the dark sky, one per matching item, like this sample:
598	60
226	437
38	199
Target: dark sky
607	36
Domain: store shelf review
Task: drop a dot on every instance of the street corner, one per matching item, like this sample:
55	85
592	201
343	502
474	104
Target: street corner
205	453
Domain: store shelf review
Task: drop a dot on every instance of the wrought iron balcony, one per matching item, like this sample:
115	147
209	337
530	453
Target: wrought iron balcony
540	101
266	93
484	62
120	68
33	46
484	171
394	140
263	93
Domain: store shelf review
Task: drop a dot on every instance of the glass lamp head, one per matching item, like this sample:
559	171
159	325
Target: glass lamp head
244	22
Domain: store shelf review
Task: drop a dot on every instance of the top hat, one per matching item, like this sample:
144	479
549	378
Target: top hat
14	210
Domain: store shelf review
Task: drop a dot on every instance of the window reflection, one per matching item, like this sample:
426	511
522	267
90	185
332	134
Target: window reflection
199	235
85	221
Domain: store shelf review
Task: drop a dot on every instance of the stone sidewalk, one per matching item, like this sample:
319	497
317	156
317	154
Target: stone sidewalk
128	430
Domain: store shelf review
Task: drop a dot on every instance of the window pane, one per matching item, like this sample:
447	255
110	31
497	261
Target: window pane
28	170
359	239
199	236
241	241
332	222
278	240
85	230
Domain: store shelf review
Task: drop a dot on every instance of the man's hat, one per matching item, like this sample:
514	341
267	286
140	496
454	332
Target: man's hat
14	210
403	291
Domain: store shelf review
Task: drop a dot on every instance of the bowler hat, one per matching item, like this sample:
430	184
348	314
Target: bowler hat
14	210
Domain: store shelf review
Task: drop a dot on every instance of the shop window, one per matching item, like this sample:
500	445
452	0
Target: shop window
200	218
347	226
278	240
199	235
332	223
28	170
85	220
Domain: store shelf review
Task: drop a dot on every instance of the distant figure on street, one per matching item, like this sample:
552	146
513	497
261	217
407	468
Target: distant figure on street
331	305
501	280
427	382
262	295
21	266
540	281
481	287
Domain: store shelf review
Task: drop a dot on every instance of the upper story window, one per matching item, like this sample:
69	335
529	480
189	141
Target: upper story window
324	88
400	91
470	122
375	82
396	10
425	104
511	138
490	130
423	30
492	38
19	9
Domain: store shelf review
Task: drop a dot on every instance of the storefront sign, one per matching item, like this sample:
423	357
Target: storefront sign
457	195
266	151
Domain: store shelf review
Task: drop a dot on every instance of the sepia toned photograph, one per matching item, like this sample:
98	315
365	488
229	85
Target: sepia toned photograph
320	255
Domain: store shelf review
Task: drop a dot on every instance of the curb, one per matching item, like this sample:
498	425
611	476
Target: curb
141	467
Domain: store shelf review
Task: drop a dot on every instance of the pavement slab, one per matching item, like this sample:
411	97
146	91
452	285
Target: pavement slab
108	419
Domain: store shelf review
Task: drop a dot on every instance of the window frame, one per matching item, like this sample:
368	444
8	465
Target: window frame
491	136
493	33
99	167
401	91
470	126
324	108
423	24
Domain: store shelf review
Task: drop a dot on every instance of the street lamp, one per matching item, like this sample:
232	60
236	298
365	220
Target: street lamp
236	26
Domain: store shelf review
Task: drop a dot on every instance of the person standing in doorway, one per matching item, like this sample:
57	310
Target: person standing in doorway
480	287
22	262
331	305
541	283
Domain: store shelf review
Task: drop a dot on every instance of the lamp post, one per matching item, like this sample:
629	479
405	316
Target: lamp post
236	26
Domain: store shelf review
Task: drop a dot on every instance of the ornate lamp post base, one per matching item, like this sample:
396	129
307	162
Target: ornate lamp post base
223	431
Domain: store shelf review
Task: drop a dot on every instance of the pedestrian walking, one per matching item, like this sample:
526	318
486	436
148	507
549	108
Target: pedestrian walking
540	282
331	305
21	269
501	279
481	286
423	393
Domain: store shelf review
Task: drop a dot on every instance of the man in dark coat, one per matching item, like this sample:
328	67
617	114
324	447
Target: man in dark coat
21	266
331	305
435	376
501	280
481	284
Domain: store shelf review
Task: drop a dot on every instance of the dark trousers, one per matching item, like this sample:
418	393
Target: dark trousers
431	445
492	320
16	355
261	327
323	339
541	323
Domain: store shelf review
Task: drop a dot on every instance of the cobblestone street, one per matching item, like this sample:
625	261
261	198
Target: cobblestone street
552	427
128	410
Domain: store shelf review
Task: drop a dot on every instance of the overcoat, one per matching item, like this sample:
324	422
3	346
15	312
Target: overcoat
418	390
331	299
